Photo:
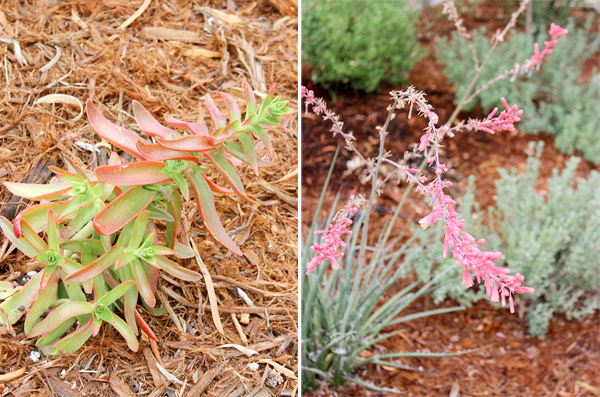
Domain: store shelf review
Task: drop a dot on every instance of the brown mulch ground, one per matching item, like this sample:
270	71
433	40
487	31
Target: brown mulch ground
510	363
215	45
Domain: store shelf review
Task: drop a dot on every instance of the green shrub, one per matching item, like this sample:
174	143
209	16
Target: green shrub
553	99
359	43
550	238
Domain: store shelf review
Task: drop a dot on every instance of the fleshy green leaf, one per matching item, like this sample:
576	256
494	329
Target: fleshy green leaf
139	229
263	135
123	209
176	270
228	171
143	285
56	333
32	237
21	243
52	232
249	150
129	299
129	336
98	266
32	191
16	305
61	314
183	251
74	340
46	298
115	293
208	212
37	216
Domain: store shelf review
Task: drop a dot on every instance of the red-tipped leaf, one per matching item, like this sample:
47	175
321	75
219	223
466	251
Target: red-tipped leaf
176	270
61	314
149	124
118	136
132	174
122	210
190	143
219	120
199	128
228	171
96	267
159	153
34	191
206	206
233	109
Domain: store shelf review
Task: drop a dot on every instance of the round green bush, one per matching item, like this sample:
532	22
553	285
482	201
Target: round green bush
359	43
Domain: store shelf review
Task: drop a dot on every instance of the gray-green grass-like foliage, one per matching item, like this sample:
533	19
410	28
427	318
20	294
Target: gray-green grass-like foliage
553	99
345	311
550	236
359	43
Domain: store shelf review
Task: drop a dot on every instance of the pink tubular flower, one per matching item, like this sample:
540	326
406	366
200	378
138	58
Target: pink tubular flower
538	56
332	239
556	31
505	122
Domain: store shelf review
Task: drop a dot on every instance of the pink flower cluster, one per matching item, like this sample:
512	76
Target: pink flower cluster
505	122
465	248
538	56
332	240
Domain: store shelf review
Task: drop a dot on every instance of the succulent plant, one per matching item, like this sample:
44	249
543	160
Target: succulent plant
100	226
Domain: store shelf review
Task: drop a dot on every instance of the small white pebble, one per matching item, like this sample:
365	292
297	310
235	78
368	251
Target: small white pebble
31	273
74	385
35	356
253	366
25	279
15	284
63	372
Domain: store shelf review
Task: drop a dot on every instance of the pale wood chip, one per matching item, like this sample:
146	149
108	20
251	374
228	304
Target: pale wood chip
204	381
202	53
136	14
120	387
12	375
210	288
157	378
158	33
280	368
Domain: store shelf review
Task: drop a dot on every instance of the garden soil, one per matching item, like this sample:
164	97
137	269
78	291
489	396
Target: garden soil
166	57
566	362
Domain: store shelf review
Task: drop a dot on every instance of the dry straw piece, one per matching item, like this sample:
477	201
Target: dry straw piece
117	52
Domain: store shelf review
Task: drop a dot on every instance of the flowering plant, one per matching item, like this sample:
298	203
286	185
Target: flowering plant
342	320
101	227
499	285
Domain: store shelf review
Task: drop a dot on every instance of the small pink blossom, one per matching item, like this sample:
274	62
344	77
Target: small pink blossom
332	239
504	122
557	31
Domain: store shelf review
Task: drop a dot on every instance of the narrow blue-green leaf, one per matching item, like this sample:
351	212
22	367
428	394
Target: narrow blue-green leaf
74	340
115	293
